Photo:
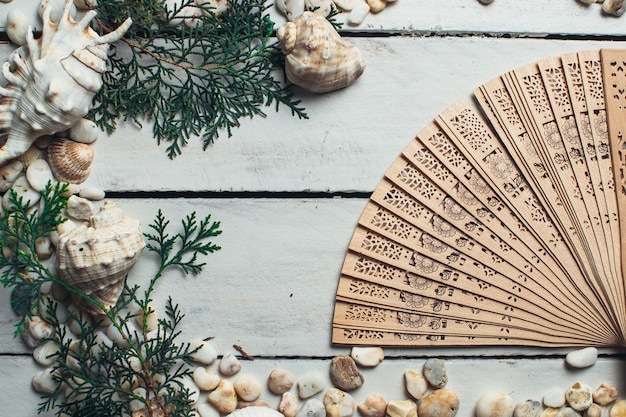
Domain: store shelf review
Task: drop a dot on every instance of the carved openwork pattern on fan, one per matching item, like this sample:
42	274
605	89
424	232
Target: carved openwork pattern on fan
473	130
369	289
389	222
555	81
370	267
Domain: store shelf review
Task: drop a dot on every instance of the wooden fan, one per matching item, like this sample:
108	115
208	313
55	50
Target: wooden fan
502	223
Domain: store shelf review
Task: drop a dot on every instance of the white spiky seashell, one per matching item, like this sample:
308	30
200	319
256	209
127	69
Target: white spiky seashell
316	57
51	81
95	257
70	161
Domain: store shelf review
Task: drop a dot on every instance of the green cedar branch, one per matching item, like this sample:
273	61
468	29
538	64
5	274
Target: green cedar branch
190	81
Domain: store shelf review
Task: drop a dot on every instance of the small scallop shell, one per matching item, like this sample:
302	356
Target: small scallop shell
255	411
316	58
70	161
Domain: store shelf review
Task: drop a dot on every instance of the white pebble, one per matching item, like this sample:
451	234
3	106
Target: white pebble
529	408
415	384
43	247
280	381
367	356
85	131
206	353
322	7
45	354
374	406
582	358
405	408
205	379
229	365
579	396
435	372
17	26
358	13
194	391
152	320
310	384
247	387
9	173
39	174
79	208
312	408
549	412
338	403
44	382
605	394
618	409
444	403
288	405
554	398
345	5
494	404
224	397
594	410
36	330
92	193
23	190
135	404
376	5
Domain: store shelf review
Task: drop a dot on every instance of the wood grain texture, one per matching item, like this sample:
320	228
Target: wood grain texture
271	288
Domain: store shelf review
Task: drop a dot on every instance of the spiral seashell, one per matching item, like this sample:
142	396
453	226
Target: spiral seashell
316	58
70	161
95	257
52	80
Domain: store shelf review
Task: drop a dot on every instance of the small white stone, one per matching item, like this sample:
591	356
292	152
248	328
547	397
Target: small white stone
549	412
92	193
605	394
23	190
554	398
435	372
494	404
152	320
579	396
45	354
280	381
194	391
85	131
582	358
206	353
43	247
35	330
44	381
322	7
85	4
229	365
376	5
415	384
358	13
618	409
135	404
310	384
122	339
338	403
567	412
288	405
9	173
205	379
405	408
39	175
529	408
345	5
374	406
79	208
17	26
594	410
312	408
224	397
247	387
367	356
445	403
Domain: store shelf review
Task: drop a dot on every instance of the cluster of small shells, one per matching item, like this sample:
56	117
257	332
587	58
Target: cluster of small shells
577	399
357	10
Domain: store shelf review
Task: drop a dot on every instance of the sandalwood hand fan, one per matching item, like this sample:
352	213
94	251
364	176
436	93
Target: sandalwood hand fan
503	221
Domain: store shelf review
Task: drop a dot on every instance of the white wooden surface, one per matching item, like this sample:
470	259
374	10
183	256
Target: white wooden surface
271	288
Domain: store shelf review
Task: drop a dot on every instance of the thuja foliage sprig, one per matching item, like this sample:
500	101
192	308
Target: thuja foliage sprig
20	230
188	81
141	373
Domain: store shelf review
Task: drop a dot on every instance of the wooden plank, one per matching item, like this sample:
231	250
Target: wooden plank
536	18
523	379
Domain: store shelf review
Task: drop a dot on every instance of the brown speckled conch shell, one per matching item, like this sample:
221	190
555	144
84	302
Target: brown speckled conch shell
316	57
70	161
95	257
